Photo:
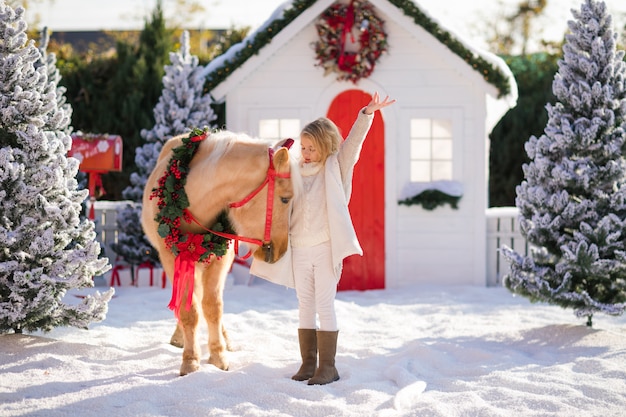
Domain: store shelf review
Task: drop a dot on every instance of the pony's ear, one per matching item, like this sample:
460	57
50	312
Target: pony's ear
281	160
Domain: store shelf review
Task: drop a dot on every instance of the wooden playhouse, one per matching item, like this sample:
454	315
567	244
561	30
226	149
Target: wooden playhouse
420	187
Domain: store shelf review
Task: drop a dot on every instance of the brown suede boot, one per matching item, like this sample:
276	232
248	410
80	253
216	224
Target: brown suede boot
327	347
308	351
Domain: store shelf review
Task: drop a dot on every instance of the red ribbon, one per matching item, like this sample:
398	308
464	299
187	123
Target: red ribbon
150	266
115	274
199	138
184	270
96	189
347	29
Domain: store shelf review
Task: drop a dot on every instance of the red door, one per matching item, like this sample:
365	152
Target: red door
367	205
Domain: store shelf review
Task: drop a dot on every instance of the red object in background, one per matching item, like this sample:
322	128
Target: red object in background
367	205
97	154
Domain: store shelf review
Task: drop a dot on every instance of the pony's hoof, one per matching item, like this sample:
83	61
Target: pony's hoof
176	342
177	338
189	367
219	361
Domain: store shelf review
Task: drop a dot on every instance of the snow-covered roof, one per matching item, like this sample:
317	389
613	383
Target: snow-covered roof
492	68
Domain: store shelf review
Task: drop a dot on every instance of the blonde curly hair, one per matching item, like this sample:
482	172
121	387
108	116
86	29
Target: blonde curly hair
325	136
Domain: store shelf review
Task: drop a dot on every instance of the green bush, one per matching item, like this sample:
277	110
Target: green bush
534	75
116	94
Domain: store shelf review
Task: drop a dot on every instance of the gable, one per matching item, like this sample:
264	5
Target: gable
291	17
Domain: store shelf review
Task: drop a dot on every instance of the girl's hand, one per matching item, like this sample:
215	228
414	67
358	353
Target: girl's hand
376	104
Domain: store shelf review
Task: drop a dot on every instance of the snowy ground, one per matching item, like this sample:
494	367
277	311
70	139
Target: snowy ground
418	351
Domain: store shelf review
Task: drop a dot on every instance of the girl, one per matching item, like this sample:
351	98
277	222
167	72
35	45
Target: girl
321	236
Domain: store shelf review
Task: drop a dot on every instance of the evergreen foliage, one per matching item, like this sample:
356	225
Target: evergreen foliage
431	199
573	199
45	247
181	107
534	75
54	76
116	95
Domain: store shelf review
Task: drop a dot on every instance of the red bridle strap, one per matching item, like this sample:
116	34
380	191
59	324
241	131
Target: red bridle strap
230	236
270	179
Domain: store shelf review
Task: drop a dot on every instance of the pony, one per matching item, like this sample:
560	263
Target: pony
247	180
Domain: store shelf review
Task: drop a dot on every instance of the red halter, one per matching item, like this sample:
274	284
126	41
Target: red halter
270	179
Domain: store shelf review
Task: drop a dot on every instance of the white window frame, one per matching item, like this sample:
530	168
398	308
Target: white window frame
455	116
255	116
432	150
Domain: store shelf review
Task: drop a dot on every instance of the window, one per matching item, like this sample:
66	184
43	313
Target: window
431	150
276	129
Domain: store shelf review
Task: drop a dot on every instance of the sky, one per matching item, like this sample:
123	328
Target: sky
463	17
428	351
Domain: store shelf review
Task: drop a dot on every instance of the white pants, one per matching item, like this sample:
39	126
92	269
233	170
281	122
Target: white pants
316	286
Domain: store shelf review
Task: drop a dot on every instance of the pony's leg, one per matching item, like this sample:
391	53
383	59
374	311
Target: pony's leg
167	262
213	280
177	337
188	325
185	334
178	341
226	338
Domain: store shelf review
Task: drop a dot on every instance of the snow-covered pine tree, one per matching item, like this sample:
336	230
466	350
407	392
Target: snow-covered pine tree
54	76
573	199
45	248
181	107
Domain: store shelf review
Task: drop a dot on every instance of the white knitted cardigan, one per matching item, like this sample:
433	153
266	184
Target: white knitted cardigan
339	170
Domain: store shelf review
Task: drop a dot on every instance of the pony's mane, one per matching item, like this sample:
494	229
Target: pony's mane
296	177
223	141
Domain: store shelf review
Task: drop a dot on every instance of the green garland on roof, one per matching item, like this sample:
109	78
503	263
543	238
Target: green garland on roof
254	45
490	73
431	199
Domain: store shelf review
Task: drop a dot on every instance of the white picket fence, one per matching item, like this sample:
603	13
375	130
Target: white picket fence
502	229
106	224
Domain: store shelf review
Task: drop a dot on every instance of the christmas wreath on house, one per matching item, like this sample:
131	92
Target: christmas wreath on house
342	26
